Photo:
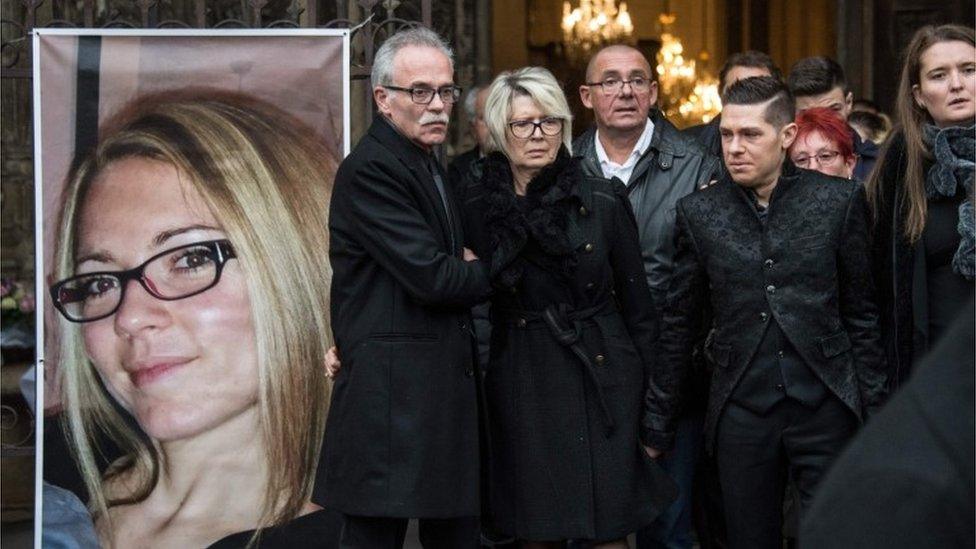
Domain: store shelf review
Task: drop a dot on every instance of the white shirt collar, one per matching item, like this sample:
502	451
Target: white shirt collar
611	168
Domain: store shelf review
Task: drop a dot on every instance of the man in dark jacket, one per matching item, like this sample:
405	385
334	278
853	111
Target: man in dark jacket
820	82
633	142
402	434
782	256
474	107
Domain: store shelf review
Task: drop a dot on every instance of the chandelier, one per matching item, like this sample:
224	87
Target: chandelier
688	95
592	25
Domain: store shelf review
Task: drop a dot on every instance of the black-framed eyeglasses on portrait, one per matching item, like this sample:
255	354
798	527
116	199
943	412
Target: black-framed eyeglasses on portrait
523	129
177	273
423	96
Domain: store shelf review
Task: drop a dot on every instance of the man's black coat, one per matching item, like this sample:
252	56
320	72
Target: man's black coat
402	434
809	269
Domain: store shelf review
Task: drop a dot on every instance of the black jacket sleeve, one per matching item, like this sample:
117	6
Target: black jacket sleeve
681	324
396	235
859	311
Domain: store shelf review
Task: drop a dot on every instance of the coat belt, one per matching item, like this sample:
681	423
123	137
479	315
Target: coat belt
566	326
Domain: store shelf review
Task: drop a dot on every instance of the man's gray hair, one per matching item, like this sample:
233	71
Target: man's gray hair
469	101
417	36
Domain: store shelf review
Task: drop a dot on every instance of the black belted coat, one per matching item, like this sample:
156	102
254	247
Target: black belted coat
565	389
401	438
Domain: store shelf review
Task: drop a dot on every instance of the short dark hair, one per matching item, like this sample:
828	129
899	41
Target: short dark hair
760	89
815	76
749	58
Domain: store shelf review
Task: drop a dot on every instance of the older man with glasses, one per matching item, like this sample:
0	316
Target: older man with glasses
402	434
633	142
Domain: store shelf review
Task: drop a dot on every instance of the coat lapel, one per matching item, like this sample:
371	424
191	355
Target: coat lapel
416	161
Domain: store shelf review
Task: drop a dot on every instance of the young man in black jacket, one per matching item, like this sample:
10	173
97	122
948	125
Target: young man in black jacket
782	256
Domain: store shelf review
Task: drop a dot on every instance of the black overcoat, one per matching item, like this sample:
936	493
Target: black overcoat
894	262
562	466
401	438
809	268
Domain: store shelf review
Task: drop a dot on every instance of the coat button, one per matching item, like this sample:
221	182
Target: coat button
469	372
582	211
463	325
590	285
780	387
768	263
771	289
588	248
521	323
599	359
763	317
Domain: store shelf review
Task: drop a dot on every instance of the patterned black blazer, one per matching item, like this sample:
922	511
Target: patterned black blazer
808	268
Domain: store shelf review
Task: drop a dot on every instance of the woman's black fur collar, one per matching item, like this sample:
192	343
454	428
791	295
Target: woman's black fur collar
550	197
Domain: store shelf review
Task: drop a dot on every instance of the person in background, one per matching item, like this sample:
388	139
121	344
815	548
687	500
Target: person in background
922	197
823	143
781	254
869	126
745	64
820	82
633	142
576	409
474	107
401	440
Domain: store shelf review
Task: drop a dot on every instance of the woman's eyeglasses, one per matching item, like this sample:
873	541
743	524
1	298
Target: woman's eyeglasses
823	158
523	129
174	274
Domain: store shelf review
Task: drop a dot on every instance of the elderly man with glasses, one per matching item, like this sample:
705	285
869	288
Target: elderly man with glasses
633	142
401	439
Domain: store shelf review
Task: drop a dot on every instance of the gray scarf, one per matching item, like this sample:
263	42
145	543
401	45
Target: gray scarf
954	150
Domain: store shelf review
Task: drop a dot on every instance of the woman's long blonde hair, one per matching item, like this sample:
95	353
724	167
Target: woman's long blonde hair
912	118
267	178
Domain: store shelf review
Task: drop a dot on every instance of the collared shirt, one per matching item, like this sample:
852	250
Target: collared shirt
623	171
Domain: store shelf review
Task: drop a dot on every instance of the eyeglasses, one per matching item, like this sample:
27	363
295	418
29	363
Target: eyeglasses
612	86
423	96
824	158
174	274
524	129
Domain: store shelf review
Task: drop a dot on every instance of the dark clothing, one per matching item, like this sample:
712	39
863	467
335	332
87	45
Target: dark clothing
907	482
673	167
388	533
708	136
402	432
318	530
756	451
901	268
808	269
458	168
944	287
573	336
867	156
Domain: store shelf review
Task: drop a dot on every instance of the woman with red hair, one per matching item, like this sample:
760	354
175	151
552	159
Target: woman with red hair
823	143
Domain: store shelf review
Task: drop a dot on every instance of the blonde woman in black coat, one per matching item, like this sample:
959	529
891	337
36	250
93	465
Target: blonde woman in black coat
576	411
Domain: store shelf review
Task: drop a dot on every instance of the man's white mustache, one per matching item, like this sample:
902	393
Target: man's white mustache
430	118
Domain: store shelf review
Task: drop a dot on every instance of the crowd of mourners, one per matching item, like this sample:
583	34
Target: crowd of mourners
747	333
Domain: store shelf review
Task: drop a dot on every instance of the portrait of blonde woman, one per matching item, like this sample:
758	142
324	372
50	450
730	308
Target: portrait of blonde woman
192	282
